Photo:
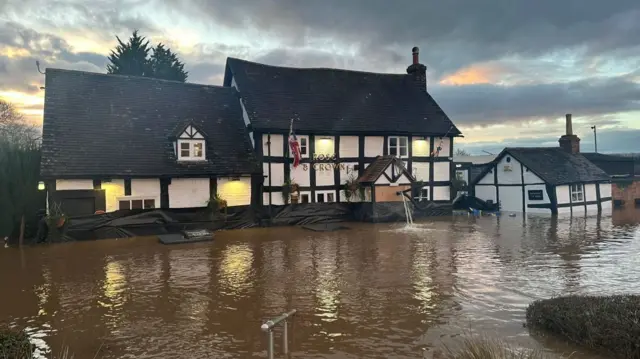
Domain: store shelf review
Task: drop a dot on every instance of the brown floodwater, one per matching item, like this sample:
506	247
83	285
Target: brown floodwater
374	291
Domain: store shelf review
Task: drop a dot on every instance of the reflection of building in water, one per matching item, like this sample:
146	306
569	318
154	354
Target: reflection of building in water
275	277
626	216
326	278
235	268
190	275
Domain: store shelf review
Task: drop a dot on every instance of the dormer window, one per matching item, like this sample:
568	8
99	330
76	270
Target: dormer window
191	145
191	150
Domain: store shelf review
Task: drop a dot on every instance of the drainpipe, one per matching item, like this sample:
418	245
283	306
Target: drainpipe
269	155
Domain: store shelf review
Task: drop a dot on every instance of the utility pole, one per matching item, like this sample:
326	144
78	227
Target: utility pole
595	137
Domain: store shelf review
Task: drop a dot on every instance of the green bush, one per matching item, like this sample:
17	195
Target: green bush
15	345
607	324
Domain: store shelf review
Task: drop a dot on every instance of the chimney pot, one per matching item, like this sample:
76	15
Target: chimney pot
569	124
416	53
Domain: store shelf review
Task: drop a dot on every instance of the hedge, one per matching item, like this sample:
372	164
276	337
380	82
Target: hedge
605	324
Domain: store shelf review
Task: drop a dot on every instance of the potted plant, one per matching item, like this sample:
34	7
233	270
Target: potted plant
353	188
290	191
216	203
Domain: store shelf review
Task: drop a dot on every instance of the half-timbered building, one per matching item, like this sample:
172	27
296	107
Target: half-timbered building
343	122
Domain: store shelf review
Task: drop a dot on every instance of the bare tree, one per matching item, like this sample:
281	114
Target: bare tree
14	128
461	152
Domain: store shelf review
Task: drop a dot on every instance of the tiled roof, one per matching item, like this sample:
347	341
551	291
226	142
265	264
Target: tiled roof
476	170
332	100
379	165
613	165
108	125
554	165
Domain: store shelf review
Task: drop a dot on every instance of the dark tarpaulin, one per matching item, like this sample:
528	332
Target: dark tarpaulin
133	223
465	202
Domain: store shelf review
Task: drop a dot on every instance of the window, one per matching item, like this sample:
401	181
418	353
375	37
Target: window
423	194
535	195
577	194
398	146
191	150
327	196
304	198
304	145
136	203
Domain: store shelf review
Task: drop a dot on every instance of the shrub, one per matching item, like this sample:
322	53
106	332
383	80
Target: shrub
608	324
14	345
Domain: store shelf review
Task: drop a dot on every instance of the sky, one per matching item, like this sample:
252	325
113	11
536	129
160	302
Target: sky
505	71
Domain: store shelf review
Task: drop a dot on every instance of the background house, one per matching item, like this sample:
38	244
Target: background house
625	176
545	179
117	142
343	121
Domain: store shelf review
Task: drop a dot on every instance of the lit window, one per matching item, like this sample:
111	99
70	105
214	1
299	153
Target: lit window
398	146
191	150
577	194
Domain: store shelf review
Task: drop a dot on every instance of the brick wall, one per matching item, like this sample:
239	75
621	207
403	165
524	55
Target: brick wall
626	192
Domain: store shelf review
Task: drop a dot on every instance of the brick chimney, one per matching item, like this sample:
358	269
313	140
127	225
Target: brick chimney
418	70
570	142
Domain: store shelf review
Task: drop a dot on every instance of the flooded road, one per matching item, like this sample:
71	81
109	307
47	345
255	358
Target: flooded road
374	291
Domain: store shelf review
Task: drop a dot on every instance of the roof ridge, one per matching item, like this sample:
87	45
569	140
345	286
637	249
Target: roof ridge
317	68
143	78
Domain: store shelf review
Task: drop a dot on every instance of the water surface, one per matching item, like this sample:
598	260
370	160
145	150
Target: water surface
374	291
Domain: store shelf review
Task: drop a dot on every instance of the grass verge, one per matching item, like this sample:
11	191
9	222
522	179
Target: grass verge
605	324
15	345
484	348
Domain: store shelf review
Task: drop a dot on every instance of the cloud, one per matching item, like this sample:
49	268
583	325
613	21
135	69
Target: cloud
614	141
452	34
485	104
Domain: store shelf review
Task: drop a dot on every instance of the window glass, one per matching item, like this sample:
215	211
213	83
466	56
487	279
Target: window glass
197	149
124	205
185	149
136	204
149	203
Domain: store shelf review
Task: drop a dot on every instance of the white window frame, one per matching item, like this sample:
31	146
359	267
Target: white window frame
420	196
137	198
398	147
192	151
576	189
326	193
305	146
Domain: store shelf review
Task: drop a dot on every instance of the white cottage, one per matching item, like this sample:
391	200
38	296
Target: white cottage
545	180
115	142
343	120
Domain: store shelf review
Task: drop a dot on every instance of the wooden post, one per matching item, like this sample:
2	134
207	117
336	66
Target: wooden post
21	239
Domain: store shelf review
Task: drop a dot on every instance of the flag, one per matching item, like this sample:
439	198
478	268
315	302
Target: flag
295	147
